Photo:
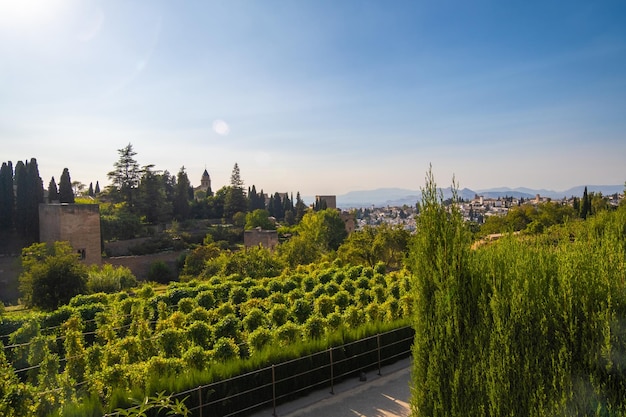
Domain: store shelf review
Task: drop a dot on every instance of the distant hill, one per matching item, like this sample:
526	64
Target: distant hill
398	197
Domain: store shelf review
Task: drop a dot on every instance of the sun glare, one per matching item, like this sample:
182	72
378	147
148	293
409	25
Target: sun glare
20	13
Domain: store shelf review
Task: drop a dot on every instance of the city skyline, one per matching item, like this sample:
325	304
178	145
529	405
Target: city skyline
319	97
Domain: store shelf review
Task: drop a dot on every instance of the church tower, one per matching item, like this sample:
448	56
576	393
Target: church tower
205	183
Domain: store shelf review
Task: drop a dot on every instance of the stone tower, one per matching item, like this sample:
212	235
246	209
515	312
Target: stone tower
78	224
205	181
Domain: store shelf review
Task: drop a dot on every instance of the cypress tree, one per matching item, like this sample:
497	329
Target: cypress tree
66	193
181	198
53	191
90	192
300	207
7	197
97	189
21	197
34	198
585	206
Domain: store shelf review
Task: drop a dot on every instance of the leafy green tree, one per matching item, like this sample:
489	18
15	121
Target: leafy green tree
259	218
152	200
52	275
125	177
7	196
66	193
324	228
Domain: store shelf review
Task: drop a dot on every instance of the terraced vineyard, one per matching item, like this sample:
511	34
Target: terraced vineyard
89	357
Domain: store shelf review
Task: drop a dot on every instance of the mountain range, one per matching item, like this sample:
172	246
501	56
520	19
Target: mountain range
400	196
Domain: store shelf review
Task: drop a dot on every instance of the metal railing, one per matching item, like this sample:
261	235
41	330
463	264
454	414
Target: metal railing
275	384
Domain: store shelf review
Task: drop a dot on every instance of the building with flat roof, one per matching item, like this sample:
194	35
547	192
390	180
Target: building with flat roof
78	224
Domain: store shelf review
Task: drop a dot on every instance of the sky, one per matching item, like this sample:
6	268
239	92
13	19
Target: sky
320	97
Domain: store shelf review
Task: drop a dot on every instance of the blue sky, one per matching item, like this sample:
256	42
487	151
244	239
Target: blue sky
321	97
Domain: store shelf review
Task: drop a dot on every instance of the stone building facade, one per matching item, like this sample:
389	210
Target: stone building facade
78	224
266	238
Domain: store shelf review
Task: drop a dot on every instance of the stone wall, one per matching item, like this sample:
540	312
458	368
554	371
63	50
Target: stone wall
266	238
140	265
10	269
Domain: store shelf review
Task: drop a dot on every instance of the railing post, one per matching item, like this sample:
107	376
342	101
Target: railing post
274	390
332	389
378	343
200	398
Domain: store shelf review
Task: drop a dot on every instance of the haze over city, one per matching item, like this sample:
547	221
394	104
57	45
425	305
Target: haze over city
320	97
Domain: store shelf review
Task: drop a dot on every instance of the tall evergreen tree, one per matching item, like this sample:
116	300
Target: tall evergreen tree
279	211
66	193
34	198
300	208
126	176
235	201
21	197
181	200
7	196
53	191
90	193
585	205
96	191
152	201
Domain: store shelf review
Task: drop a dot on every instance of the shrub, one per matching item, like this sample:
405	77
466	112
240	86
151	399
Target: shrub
254	319
110	279
279	315
301	310
314	328
225	349
186	305
196	358
52	275
259	339
160	272
227	327
200	334
205	299
287	333
324	305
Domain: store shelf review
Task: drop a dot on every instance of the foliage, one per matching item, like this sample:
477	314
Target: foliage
125	177
259	218
7	196
66	192
52	275
113	346
110	279
529	218
371	245
118	223
545	312
160	272
159	402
